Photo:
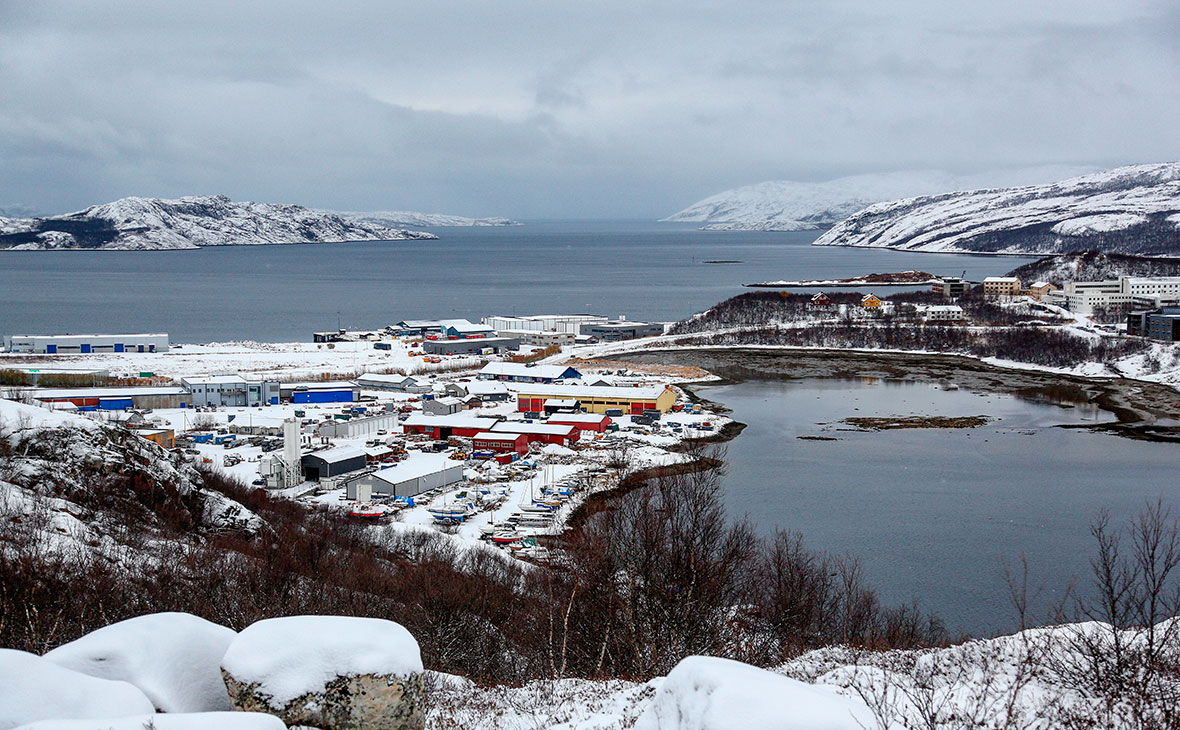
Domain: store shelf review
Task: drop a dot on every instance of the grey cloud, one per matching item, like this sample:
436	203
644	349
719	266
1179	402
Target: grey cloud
549	109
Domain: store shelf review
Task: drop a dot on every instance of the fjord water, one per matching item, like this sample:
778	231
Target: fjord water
936	514
283	293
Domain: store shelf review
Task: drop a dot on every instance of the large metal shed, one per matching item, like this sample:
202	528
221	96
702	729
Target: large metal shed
414	476
332	462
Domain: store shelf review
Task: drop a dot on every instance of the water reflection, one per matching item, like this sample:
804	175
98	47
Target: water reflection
935	513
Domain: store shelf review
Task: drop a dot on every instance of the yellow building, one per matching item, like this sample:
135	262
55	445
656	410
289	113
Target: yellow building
597	398
1001	286
1039	289
870	301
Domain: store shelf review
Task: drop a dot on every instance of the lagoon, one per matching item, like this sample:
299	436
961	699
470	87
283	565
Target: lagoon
936	514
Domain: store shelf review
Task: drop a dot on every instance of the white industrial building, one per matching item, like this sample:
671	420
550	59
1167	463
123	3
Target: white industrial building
231	390
85	344
1084	297
359	427
400	383
527	372
417	474
542	329
941	313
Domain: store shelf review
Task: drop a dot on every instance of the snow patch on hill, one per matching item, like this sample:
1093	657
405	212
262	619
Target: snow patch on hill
1129	209
393	218
787	205
191	222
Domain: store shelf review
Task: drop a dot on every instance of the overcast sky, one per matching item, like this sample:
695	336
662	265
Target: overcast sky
551	109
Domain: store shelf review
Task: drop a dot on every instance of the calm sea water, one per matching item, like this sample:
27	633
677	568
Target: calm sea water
283	293
936	514
933	513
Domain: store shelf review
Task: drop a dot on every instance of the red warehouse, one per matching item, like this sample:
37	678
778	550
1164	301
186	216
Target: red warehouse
547	434
455	424
501	443
595	422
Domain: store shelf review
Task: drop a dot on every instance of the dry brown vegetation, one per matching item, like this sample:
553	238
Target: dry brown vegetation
658	574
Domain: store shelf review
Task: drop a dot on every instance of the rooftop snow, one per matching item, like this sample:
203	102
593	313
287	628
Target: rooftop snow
518	369
340	453
535	428
451	420
590	391
43	393
416	465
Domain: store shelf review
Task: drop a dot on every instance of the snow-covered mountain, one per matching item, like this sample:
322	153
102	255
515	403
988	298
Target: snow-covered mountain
189	222
1133	209
786	205
391	218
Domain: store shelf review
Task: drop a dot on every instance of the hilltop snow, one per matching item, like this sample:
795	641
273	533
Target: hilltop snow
392	218
1130	209
787	205
190	222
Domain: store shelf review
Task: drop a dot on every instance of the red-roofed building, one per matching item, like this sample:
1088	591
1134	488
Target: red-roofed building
595	422
501	443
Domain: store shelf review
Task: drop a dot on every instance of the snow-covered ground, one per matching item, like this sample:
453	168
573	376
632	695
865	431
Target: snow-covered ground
497	492
284	360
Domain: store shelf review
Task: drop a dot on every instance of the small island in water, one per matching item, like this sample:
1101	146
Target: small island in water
897	278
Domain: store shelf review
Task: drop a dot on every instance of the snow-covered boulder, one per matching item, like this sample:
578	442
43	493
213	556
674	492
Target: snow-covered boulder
330	672
173	658
707	693
32	688
177	721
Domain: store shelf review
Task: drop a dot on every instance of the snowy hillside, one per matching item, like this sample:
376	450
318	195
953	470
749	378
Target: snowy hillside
786	205
1095	266
391	218
73	483
189	222
1134	209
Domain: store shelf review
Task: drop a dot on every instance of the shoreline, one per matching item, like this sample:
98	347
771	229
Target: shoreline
1136	405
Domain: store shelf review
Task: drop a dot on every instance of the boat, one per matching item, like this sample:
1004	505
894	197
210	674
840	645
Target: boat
534	520
506	536
367	510
454	512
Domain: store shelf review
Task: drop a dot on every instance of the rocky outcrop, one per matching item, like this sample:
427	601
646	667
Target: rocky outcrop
369	701
329	672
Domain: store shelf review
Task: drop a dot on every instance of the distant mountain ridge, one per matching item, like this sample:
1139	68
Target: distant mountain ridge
391	218
134	223
786	205
1133	209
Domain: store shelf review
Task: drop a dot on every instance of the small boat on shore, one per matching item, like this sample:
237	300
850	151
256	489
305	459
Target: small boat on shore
367	510
507	536
452	513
